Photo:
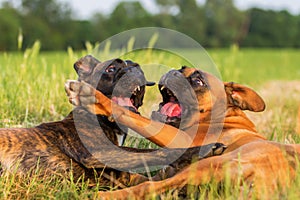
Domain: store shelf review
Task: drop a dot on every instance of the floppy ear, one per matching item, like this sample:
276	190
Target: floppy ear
243	97
85	65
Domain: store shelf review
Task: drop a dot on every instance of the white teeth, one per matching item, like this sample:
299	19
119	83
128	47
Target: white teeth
136	90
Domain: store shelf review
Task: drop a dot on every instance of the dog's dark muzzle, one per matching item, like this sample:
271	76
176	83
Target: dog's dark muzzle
129	87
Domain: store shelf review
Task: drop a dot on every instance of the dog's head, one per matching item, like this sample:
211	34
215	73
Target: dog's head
191	96
122	81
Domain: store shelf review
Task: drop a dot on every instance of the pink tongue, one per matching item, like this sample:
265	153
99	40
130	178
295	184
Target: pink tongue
123	101
171	109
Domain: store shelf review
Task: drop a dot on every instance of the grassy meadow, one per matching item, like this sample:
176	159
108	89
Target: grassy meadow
32	92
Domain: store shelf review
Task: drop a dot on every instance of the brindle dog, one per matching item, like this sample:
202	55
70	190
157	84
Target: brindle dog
209	110
77	142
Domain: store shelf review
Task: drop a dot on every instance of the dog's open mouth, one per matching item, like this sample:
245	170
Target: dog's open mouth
170	105
133	102
169	110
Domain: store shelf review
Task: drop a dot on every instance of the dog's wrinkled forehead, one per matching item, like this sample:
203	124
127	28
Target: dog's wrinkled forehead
190	72
187	71
105	75
110	65
89	66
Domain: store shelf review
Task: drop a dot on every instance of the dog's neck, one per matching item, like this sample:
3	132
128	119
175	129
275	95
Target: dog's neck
236	118
220	129
232	118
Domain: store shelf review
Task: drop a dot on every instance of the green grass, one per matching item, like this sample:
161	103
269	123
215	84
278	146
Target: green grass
32	92
256	66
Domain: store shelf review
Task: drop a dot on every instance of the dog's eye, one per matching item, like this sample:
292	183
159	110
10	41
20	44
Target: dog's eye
110	69
199	82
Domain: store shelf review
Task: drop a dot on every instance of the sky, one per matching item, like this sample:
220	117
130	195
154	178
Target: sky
84	9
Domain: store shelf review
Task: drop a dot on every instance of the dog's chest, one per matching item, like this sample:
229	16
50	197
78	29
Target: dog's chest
113	131
121	138
116	136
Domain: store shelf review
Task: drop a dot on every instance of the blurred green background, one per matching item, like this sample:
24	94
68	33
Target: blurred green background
214	23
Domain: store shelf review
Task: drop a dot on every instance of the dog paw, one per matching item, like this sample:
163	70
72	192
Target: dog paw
212	150
80	93
218	149
72	91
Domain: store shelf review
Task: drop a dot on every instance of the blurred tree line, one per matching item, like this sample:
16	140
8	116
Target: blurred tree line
216	23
